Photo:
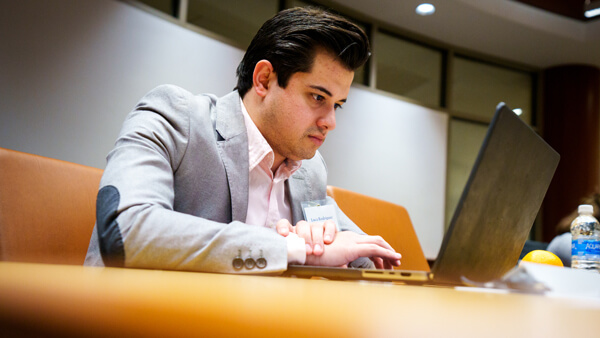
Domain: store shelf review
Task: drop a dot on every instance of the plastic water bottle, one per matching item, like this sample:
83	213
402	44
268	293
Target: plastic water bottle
585	248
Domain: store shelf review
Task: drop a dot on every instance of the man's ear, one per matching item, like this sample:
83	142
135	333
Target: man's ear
262	77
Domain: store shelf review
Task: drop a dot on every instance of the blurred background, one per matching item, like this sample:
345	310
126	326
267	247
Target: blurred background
418	111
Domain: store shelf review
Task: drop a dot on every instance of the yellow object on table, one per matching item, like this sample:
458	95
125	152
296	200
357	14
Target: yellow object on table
543	257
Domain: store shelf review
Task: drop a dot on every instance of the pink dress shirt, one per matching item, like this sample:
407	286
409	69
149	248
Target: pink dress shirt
267	198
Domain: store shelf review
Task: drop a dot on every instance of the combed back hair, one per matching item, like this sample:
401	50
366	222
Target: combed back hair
291	39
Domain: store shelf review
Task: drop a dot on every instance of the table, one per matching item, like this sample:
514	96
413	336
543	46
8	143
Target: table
61	300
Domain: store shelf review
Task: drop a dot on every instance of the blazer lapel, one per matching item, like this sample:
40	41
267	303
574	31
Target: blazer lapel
233	147
299	191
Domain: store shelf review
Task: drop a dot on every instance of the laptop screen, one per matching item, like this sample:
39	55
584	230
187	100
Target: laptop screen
499	203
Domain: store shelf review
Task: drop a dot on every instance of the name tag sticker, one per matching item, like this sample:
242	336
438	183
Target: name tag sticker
319	211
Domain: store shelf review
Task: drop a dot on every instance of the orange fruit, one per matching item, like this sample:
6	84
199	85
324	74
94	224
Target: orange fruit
543	257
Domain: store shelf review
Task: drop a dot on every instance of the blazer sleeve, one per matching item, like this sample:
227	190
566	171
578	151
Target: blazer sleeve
137	225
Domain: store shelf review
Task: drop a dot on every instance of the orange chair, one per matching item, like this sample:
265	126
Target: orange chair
47	208
388	220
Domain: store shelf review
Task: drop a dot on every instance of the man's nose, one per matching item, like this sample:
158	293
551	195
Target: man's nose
327	122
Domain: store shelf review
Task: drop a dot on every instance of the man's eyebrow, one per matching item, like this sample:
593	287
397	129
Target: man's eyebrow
325	91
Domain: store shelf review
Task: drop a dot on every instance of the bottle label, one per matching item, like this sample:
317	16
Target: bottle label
585	247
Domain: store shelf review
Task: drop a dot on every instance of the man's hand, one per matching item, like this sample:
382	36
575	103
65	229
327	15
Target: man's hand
316	234
348	246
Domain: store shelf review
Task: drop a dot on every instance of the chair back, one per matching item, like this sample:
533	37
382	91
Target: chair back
388	220
47	208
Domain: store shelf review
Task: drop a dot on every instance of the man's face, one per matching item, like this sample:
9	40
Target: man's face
297	118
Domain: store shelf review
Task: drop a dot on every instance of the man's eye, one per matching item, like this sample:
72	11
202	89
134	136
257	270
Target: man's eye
337	106
318	97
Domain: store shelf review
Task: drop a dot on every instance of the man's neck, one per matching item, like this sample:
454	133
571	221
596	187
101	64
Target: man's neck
251	107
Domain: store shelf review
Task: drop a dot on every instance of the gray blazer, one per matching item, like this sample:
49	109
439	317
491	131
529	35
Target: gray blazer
174	194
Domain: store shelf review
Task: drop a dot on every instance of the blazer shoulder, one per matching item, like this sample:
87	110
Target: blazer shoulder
175	97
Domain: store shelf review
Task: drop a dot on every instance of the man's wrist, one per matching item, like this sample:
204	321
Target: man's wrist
296	248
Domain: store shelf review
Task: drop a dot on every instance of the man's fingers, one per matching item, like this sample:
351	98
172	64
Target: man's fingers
377	240
284	227
316	230
349	246
378	262
387	264
374	250
329	232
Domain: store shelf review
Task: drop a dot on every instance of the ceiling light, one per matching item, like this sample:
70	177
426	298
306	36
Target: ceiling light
592	9
425	9
592	13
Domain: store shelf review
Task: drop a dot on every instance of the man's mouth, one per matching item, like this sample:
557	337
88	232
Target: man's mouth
317	139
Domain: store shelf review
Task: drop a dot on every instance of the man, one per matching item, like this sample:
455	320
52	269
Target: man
215	184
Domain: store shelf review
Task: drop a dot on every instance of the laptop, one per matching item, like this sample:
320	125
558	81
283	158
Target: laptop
494	215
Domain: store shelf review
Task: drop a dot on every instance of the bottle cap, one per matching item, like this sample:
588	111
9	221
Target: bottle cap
585	209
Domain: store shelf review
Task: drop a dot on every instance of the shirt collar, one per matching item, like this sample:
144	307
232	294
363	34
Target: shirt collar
259	149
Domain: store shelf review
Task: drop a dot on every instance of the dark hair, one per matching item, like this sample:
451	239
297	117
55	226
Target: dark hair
291	38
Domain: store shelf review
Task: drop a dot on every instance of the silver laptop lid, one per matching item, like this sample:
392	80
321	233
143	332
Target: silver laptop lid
499	203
